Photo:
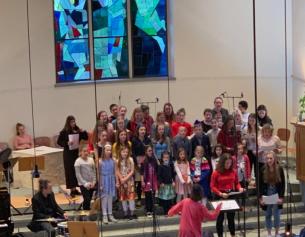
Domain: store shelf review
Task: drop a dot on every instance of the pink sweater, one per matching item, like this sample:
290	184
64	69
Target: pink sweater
192	215
23	142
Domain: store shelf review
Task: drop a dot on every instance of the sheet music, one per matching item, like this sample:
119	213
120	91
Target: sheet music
272	199
226	205
266	148
234	193
75	139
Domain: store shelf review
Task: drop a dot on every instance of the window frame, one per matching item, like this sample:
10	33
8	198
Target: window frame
131	77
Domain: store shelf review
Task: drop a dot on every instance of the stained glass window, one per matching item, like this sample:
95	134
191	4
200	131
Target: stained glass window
108	34
71	40
110	39
149	38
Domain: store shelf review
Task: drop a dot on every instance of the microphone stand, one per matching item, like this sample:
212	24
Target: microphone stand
225	95
243	204
155	220
98	175
120	97
288	227
35	175
155	102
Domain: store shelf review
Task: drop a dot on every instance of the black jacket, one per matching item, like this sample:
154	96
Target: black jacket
138	147
263	121
63	138
45	207
166	174
204	142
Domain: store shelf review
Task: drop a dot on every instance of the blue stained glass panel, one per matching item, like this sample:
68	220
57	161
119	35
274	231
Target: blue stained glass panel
109	22
110	57
109	18
148	59
72	60
70	19
149	35
71	40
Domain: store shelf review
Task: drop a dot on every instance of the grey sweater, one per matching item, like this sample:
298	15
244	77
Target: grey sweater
85	171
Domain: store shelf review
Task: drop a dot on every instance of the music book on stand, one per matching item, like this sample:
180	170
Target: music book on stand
227	205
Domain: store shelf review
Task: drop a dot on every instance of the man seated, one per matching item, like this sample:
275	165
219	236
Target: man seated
44	206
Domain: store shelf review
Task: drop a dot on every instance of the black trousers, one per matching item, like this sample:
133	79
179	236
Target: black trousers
231	223
149	201
139	189
43	226
166	205
252	159
87	195
69	160
260	167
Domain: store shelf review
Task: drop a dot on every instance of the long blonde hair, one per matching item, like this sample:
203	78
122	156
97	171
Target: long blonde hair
272	177
120	158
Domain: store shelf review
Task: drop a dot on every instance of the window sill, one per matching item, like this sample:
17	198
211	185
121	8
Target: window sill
108	81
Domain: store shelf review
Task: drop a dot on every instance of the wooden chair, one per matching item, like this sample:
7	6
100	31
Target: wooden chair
3	145
284	135
43	141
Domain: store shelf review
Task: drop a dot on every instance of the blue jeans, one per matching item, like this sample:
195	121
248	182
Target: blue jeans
276	215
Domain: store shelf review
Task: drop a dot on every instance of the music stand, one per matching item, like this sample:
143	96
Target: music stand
227	205
83	229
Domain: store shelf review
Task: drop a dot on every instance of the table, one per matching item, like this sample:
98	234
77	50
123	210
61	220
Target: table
37	151
48	159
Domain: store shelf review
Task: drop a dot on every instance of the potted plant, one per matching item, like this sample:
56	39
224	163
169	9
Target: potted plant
302	107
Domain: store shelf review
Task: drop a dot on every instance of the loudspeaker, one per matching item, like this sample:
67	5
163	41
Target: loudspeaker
5	210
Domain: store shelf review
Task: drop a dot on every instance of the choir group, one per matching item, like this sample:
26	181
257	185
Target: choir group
161	160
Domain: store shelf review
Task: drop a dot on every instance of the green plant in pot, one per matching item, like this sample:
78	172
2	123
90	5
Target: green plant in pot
302	107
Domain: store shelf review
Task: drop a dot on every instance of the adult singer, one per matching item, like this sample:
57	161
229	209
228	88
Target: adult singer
44	206
224	180
71	151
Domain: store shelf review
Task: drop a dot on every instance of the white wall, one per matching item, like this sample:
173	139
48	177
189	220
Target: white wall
213	52
298	52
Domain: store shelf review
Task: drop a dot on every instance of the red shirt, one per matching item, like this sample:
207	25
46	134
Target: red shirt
149	122
192	215
176	125
133	127
228	140
222	182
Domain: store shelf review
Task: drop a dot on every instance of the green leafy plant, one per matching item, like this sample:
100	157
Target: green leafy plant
302	105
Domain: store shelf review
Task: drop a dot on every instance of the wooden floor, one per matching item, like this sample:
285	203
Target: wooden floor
61	199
